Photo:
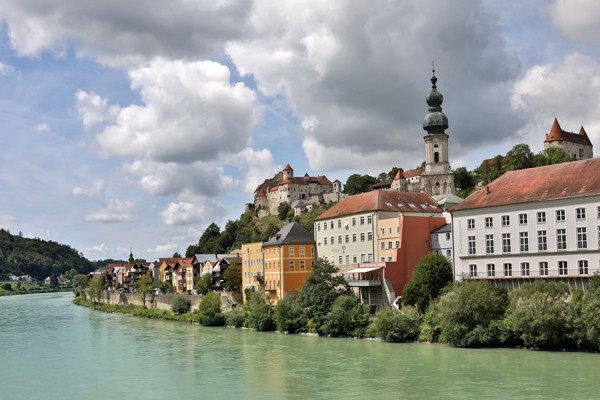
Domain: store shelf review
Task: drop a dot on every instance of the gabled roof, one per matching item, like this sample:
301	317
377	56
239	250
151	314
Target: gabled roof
551	182
292	233
399	175
443	229
557	134
413	172
383	200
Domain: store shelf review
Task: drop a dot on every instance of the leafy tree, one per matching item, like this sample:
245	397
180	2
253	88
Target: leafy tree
393	172
181	304
164	287
210	310
348	317
471	314
430	276
209	241
288	316
519	157
259	313
321	289
233	279
95	287
588	321
176	255
550	156
464	180
204	284
282	210
229	235
357	183
144	285
7	286
392	325
536	314
235	317
80	284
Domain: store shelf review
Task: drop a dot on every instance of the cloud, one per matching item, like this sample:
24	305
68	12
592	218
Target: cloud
44	128
123	33
113	211
190	112
356	75
565	90
92	191
185	213
577	19
93	109
256	166
163	249
7	70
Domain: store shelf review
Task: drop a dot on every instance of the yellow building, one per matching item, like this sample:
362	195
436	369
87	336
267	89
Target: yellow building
252	267
288	260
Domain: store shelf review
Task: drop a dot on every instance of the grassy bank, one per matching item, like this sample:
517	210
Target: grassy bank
30	288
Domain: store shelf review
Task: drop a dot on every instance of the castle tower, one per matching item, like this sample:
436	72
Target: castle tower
287	172
437	178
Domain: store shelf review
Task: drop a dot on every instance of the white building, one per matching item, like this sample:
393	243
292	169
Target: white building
441	241
538	223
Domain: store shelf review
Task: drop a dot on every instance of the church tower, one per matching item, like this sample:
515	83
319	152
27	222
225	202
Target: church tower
437	178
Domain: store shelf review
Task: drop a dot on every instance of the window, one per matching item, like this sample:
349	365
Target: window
489	244
506	220
524	269
562	267
353	221
449	254
382	259
339	223
362	220
448	236
301	251
580	213
347	259
470	223
389	259
560	215
507	269
471	241
347	238
397	243
362	258
582	238
382	245
292	265
489	222
354	238
561	239
541	217
340	239
325	241
369	236
506	242
318	227
370	257
312	251
331	224
522	219
324	226
524	241
473	271
583	267
369	219
598	211
542	241
362	236
543	268
354	259
390	244
291	251
491	270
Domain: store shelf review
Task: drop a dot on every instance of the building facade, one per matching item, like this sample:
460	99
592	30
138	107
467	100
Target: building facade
537	223
252	267
577	145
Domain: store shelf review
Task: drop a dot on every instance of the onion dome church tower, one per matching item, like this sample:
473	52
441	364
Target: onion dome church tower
437	178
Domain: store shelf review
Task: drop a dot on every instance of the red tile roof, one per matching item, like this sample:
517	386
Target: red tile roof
413	172
552	182
557	134
383	200
399	175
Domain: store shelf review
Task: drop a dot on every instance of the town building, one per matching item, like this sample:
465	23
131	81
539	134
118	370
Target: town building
537	223
288	258
383	233
577	145
252	267
441	241
284	187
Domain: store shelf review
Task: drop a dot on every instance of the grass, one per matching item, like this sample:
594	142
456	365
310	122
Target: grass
31	288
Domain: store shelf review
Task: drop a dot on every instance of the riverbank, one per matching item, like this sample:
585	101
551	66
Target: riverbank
33	290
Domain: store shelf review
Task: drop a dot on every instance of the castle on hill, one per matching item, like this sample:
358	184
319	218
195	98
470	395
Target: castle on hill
299	192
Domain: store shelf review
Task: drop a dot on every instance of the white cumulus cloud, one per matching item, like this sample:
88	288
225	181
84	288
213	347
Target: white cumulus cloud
92	190
114	211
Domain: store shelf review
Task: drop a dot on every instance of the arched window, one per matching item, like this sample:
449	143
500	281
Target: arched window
436	157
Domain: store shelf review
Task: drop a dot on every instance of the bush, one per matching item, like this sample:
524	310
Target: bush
537	315
393	326
181	304
209	310
204	284
431	275
235	317
7	286
348	317
471	314
259	313
288	316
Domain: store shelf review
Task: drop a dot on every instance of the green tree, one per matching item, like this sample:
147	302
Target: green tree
7	286
431	275
550	156
288	316
233	279
464	180
209	242
96	286
259	313
396	326
357	183
164	287
471	314
176	255
204	284
519	157
181	304
283	210
144	286
347	317
322	287
209	310
80	284
537	315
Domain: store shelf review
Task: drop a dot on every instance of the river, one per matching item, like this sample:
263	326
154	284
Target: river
52	349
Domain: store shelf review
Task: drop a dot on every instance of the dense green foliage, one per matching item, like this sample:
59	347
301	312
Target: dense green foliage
236	317
288	316
392	325
38	258
347	317
204	284
259	313
181	304
144	286
357	183
233	279
209	310
431	275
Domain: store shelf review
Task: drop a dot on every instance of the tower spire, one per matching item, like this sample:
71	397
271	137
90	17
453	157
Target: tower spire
435	120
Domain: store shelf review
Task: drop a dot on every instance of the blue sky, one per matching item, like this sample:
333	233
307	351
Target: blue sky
130	125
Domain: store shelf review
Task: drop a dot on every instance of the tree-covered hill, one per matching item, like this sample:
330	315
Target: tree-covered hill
38	258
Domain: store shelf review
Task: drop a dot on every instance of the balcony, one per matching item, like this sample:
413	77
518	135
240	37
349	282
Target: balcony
365	277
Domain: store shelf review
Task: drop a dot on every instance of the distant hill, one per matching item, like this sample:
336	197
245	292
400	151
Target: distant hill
38	258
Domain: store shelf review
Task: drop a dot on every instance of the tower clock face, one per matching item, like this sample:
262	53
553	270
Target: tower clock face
435	145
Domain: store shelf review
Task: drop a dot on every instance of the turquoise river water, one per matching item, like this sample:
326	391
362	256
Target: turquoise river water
52	349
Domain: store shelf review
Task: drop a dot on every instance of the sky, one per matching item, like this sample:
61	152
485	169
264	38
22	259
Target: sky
134	124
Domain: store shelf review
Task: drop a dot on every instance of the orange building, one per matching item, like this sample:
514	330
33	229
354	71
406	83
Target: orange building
288	260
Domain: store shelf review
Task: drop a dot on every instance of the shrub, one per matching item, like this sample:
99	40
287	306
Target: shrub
209	310
431	275
348	317
7	286
392	325
288	316
181	304
235	317
259	313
